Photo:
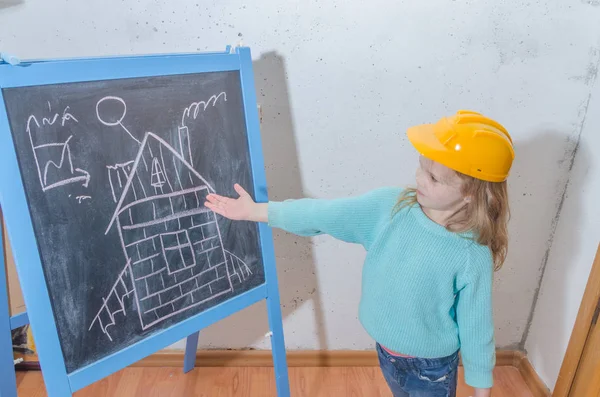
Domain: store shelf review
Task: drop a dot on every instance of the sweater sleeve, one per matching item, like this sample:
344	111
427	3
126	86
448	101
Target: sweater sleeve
475	319
353	219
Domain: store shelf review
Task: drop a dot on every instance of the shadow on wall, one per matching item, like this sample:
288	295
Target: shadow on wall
294	257
530	166
10	3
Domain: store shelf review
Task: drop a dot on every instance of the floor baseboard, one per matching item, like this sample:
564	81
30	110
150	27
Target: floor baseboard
263	358
309	358
531	378
295	358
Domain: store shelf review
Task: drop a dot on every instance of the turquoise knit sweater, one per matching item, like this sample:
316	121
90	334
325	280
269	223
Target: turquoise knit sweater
426	292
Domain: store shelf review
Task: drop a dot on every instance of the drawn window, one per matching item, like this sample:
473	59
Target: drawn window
177	251
157	178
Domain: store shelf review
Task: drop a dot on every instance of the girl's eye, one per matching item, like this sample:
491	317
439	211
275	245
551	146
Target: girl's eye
433	178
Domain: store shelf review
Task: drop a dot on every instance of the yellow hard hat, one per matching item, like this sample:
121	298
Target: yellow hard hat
467	142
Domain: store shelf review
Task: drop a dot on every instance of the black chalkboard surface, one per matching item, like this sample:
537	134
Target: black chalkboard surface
115	174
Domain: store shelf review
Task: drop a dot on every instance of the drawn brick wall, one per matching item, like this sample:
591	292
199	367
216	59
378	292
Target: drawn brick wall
177	263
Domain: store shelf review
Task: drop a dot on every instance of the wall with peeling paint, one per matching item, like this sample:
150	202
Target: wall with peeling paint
573	249
339	83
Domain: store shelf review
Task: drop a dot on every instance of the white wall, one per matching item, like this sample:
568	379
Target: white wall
572	254
339	83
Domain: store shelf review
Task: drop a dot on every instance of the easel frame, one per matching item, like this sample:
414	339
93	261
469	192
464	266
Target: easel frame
58	382
8	385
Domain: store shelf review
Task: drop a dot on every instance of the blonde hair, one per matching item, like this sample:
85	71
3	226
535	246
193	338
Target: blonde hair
486	215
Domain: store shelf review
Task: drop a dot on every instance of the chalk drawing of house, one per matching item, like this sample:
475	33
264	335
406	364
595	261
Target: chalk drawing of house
174	254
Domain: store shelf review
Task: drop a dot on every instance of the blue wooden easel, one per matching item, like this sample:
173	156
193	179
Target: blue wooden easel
58	382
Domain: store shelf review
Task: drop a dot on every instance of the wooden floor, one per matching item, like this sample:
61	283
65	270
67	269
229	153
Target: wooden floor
255	382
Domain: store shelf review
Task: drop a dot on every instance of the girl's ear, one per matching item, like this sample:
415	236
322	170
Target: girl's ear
467	199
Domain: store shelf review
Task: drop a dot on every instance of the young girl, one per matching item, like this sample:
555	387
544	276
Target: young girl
431	253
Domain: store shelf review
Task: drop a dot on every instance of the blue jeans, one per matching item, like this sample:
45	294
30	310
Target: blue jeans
419	377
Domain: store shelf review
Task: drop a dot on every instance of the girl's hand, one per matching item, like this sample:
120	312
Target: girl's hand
241	209
482	393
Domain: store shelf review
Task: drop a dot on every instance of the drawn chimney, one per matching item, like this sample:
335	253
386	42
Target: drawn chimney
184	144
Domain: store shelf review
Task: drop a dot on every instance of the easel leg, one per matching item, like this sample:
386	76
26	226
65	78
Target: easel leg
278	346
8	380
191	345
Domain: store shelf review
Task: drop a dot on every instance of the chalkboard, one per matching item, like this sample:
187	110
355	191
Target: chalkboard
115	173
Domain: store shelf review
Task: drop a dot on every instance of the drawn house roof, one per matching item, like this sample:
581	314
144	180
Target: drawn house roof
159	171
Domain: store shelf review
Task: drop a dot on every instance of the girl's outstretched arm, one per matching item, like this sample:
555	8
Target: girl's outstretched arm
351	219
